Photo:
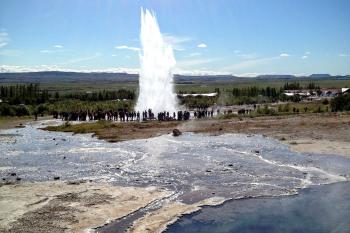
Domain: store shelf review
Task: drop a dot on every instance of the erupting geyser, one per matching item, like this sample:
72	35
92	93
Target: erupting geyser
157	61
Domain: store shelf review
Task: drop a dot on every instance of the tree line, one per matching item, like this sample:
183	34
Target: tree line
23	94
30	99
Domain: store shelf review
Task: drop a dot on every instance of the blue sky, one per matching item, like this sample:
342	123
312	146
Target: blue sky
246	37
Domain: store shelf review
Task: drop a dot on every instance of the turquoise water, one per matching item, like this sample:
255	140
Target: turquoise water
321	209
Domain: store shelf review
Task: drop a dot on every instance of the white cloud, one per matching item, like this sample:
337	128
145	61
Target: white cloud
176	42
284	55
57	46
14	69
114	55
83	69
248	75
202	45
307	53
4	39
343	55
127	47
304	57
200	72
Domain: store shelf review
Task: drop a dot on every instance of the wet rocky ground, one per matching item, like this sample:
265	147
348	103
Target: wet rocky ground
194	166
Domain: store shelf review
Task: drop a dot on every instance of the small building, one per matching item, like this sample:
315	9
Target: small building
330	92
345	90
214	94
302	93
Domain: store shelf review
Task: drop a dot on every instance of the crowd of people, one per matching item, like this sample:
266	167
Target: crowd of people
126	116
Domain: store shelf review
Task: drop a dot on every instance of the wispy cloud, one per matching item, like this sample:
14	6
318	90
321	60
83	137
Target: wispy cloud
284	55
307	53
81	59
114	55
176	42
195	62
304	57
194	54
344	55
247	55
9	52
56	48
250	63
127	48
4	39
47	51
202	45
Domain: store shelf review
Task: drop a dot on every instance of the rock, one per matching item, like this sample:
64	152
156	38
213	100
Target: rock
10	182
220	129
76	182
176	132
283	139
56	178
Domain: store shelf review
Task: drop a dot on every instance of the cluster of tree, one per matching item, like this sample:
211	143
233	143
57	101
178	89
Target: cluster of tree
341	103
297	86
198	102
104	95
256	91
84	106
23	94
21	100
256	95
13	110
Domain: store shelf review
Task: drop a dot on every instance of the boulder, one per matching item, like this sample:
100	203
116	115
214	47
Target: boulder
176	132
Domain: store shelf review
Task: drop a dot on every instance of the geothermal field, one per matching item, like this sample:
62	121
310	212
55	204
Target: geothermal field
114	152
191	169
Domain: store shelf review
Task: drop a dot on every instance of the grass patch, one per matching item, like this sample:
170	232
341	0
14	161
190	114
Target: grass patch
83	127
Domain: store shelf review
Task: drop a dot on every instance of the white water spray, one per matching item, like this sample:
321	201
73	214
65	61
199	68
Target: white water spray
157	61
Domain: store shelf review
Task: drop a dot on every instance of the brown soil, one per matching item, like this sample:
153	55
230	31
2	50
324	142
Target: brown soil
18	122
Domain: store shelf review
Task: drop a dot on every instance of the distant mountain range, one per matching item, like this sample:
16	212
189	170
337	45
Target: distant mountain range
58	76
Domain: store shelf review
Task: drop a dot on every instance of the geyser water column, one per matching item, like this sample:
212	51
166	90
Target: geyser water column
157	61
